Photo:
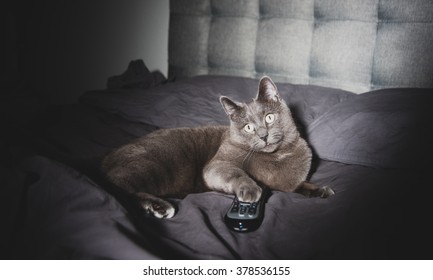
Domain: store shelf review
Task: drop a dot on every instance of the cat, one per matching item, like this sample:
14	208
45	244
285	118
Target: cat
261	146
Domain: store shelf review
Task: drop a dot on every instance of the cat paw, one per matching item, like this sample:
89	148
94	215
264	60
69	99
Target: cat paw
323	192
249	194
159	209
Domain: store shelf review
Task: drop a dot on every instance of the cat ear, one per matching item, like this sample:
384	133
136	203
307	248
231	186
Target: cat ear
267	90
229	106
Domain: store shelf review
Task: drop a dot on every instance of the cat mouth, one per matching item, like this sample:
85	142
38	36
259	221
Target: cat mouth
277	141
270	147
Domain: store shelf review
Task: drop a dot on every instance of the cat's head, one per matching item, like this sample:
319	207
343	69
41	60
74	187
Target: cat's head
264	124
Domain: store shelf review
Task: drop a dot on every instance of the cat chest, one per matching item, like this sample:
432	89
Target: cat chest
276	172
267	171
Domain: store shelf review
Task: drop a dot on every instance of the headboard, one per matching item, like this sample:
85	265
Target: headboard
357	45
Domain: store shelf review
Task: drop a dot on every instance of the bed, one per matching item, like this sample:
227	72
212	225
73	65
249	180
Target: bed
357	76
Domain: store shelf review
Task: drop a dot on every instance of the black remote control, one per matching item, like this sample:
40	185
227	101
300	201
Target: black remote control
246	216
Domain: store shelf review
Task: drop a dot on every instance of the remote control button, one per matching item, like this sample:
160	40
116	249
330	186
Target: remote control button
244	216
242	210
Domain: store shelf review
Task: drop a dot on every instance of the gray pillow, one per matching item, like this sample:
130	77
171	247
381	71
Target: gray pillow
383	128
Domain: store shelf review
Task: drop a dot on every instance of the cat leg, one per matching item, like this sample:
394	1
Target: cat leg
223	177
136	182
156	206
311	190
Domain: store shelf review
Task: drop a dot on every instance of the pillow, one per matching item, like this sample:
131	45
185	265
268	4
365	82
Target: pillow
195	101
383	128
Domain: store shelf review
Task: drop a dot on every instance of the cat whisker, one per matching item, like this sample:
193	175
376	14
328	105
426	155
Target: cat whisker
244	155
248	156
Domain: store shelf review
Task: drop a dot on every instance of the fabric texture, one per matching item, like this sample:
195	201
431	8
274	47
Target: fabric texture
355	45
67	216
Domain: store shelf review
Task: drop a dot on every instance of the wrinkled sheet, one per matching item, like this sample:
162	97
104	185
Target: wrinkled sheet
371	216
378	211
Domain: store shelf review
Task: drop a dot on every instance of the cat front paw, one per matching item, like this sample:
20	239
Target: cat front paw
249	193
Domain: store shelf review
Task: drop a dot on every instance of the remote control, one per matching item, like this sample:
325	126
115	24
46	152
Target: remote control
246	216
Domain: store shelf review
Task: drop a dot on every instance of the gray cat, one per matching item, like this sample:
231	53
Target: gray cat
261	146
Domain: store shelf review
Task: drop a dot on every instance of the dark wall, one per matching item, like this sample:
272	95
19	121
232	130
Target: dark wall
60	49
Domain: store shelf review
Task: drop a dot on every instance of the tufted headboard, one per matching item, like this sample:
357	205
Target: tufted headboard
356	45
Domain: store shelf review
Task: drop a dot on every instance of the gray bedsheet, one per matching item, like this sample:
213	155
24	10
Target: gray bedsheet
379	210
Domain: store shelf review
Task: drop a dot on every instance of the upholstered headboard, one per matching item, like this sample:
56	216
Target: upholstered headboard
357	45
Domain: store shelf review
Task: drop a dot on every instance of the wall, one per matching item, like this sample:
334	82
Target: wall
68	47
8	47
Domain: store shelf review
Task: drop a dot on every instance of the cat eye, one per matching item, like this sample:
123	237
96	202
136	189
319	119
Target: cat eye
270	118
249	128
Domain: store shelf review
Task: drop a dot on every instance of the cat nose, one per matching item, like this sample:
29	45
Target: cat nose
263	134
